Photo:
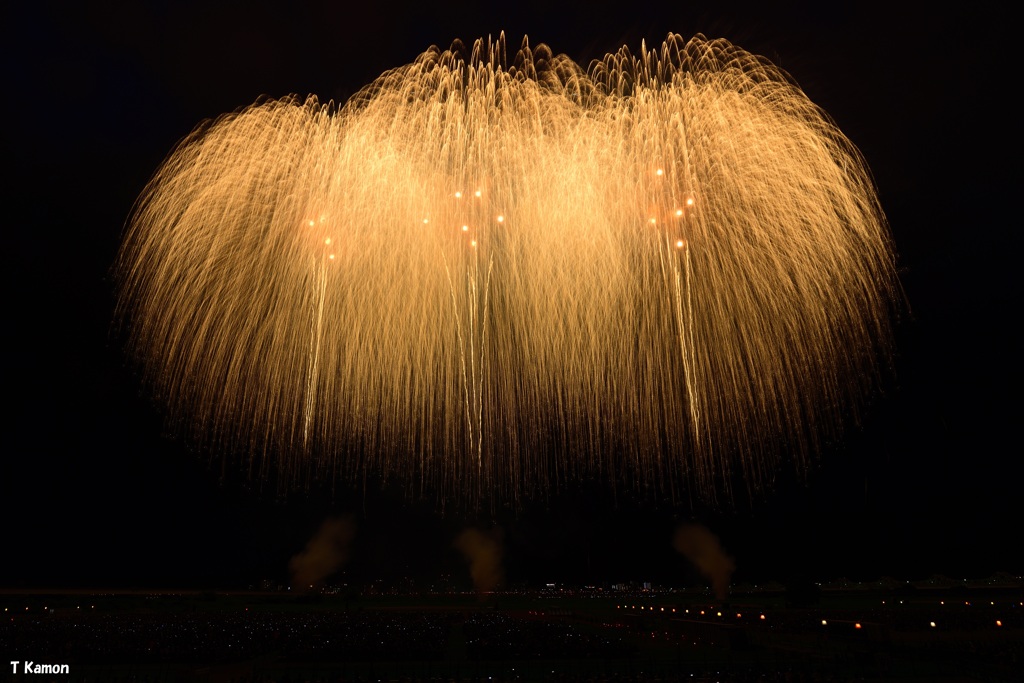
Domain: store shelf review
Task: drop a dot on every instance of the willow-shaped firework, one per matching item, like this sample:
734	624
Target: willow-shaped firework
482	276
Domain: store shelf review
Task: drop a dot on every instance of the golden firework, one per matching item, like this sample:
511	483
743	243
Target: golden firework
482	276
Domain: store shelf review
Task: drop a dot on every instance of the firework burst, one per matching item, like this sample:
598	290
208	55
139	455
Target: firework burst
484	275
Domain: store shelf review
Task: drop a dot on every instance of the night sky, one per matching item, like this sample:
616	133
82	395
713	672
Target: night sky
96	491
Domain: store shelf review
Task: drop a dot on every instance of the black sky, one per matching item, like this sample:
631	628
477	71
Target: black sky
93	493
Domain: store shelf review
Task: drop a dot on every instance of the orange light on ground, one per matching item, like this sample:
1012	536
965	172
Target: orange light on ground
856	626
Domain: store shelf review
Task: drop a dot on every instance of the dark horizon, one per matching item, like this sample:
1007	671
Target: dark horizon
96	490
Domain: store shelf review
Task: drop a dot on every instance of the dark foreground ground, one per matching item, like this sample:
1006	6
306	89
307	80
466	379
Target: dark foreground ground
942	635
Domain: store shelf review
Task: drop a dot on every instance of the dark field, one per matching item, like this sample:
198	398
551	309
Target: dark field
556	636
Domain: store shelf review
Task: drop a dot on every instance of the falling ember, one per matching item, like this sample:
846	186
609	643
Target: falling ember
577	338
